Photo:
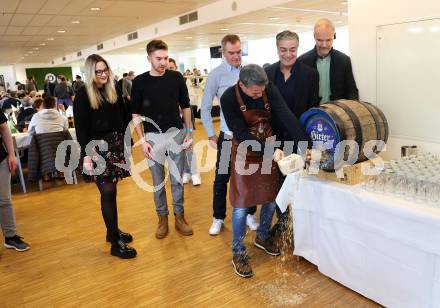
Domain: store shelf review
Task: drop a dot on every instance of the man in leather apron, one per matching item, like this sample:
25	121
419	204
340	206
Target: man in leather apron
250	108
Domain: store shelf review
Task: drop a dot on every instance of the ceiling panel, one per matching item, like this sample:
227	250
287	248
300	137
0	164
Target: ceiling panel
32	44
21	19
75	7
13	44
55	6
14	30
6	19
15	38
30	6
40	20
9	6
61	21
31	30
48	30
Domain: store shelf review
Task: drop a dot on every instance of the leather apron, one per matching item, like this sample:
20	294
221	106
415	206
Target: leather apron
247	190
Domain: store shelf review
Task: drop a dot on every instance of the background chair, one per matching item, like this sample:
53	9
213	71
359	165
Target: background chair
42	155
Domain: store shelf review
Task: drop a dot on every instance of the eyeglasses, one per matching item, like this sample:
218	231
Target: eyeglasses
100	72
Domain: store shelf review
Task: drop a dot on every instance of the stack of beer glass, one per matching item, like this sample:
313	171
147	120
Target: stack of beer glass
414	177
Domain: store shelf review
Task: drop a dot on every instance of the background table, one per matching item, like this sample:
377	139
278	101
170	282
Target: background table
384	247
21	142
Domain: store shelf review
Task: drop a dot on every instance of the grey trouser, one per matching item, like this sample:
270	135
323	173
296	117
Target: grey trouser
7	217
167	147
190	162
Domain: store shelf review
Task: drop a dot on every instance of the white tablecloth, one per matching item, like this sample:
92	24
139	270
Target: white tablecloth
24	139
386	248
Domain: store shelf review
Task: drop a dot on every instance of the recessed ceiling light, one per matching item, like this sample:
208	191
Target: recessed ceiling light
224	29
61	31
416	29
188	37
30	51
43	44
274	18
95	9
211	43
50	39
75	21
36	48
26	55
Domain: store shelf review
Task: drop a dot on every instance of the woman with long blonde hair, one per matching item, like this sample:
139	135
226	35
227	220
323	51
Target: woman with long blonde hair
101	118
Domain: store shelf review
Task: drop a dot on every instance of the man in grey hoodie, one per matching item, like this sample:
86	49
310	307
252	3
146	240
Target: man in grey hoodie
48	120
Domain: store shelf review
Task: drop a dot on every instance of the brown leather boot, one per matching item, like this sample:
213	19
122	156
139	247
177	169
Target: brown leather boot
182	226
162	227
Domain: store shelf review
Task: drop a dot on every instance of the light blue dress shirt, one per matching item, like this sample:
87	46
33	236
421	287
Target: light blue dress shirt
220	78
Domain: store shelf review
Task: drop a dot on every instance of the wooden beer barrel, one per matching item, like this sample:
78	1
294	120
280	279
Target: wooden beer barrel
345	120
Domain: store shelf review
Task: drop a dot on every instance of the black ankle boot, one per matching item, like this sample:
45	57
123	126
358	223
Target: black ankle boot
122	250
125	237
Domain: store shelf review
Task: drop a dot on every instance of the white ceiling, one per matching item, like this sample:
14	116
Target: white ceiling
298	16
26	24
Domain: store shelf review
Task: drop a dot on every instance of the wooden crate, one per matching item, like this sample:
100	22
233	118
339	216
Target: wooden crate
350	175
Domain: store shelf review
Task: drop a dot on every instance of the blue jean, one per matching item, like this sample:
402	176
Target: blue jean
239	225
222	175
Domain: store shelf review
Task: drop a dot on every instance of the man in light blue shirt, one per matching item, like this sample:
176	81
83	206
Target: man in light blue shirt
221	78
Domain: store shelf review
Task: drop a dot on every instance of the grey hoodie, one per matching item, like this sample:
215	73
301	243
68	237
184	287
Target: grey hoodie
48	121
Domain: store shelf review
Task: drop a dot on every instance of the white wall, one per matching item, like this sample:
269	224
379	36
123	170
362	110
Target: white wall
363	18
207	14
20	70
260	51
123	63
199	58
8	73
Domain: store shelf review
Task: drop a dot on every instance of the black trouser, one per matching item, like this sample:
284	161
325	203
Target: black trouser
282	218
222	175
109	209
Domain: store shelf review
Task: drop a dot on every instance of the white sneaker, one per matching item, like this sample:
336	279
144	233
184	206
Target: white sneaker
251	222
196	179
216	227
186	177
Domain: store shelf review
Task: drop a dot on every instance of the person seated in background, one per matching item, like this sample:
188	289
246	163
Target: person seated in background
25	113
32	94
38	104
20	86
3	97
48	120
11	101
20	96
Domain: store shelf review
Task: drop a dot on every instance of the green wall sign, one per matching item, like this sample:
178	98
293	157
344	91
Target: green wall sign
40	74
